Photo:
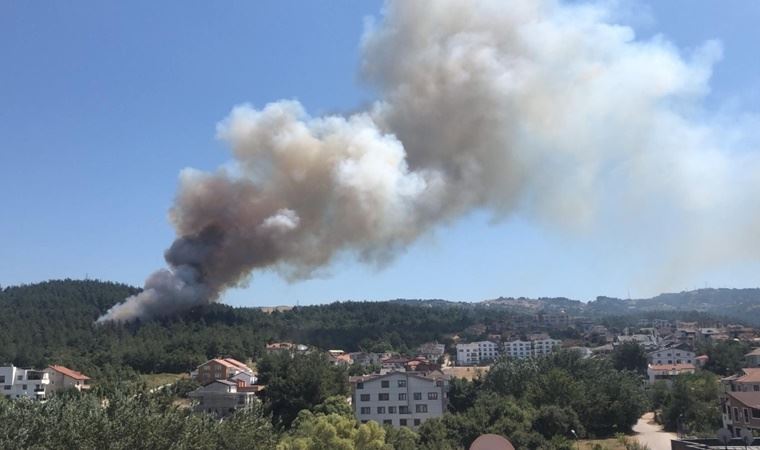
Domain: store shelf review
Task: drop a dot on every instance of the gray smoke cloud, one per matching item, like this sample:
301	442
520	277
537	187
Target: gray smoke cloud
537	107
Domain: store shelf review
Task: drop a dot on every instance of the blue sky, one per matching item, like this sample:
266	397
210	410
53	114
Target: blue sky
103	103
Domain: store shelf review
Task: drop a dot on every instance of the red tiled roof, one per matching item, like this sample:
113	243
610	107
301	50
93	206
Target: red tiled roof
222	362
751	375
237	363
70	373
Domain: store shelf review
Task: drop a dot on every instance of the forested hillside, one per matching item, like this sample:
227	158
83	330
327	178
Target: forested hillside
53	322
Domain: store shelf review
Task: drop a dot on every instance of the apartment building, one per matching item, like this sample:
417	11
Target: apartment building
475	353
399	399
671	356
23	383
531	348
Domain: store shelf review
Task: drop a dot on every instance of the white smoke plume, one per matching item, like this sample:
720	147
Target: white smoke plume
538	107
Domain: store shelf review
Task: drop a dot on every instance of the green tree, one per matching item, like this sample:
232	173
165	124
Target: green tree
630	356
333	432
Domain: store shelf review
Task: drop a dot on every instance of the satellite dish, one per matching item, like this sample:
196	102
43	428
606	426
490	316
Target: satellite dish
724	436
747	437
491	442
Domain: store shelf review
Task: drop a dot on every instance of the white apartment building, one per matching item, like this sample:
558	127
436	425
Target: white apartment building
671	356
530	349
19	383
476	353
399	399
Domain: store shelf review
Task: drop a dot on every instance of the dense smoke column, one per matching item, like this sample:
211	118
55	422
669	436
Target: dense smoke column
542	108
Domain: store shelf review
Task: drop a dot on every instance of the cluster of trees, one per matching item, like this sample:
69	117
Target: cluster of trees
537	402
126	419
690	404
53	322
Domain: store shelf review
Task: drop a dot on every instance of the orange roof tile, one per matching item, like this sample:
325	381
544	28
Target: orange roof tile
237	363
69	372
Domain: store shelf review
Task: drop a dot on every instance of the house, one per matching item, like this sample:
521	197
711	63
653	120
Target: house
748	380
536	347
740	400
476	353
701	360
220	369
23	383
740	411
63	378
666	372
752	359
673	355
223	397
399	399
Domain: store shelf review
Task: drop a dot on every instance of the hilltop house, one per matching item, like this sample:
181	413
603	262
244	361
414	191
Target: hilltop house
399	399
63	378
220	369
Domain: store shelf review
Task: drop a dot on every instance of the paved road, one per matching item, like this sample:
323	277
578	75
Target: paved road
651	434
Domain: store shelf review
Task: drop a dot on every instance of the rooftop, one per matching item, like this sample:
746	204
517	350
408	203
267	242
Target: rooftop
70	373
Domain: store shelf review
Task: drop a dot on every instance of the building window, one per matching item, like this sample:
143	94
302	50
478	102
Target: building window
2	378
7	387
19	378
381	409
756	387
418	395
432	396
359	385
365	410
391	410
422	408
403	409
746	415
364	397
402	395
23	387
387	422
416	422
385	384
736	414
383	397
755	413
402	422
401	383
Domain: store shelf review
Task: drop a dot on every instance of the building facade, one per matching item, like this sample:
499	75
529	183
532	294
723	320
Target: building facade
399	399
671	356
531	348
475	353
23	383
